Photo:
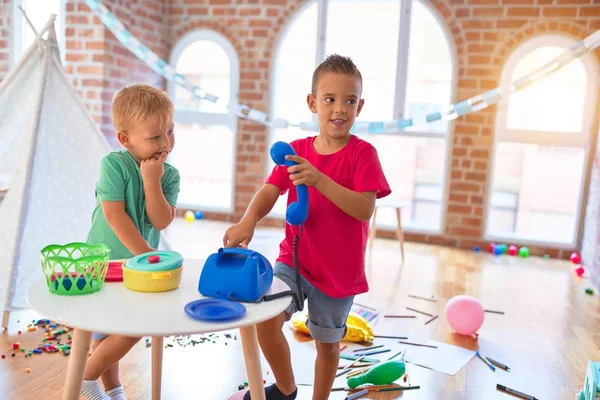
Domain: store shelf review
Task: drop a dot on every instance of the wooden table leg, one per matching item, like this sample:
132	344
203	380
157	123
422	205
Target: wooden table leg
252	360
399	231
157	357
76	367
373	229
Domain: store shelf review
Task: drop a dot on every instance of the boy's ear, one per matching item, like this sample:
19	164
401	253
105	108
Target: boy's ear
312	102
361	102
123	139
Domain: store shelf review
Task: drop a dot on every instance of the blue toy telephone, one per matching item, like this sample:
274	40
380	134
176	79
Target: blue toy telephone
297	212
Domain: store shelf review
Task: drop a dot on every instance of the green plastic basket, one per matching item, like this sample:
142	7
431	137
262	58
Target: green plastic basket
75	268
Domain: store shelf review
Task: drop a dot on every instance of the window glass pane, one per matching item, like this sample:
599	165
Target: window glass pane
39	11
206	174
416	176
535	192
429	69
207	65
292	77
367	31
294	66
555	103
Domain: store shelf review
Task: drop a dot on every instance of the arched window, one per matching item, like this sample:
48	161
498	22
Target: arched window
205	133
38	11
405	58
541	144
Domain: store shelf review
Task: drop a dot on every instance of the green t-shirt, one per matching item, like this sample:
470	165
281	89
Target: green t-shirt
120	180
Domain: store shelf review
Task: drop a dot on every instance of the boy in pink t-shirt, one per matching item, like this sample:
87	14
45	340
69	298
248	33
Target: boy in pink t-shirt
344	178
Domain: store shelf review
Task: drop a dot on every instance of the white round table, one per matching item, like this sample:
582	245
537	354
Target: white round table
117	310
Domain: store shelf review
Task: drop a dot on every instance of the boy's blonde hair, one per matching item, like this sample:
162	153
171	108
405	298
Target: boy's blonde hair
137	103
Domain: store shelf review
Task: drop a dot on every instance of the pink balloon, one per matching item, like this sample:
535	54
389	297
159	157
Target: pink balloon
464	314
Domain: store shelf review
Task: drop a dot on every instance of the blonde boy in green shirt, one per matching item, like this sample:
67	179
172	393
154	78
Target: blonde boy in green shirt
136	198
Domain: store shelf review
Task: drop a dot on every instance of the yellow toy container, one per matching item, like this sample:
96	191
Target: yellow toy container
157	271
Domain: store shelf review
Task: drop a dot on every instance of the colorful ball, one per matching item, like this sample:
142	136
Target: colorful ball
477	249
513	250
189	216
464	314
524	252
580	271
498	250
575	258
491	247
198	215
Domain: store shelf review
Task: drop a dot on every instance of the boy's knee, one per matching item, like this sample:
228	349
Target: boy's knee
328	349
271	325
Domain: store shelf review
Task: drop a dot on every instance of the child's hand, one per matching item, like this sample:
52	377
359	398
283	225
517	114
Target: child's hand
304	173
239	234
152	169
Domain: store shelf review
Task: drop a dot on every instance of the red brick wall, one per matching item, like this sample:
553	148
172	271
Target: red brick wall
98	64
5	18
484	33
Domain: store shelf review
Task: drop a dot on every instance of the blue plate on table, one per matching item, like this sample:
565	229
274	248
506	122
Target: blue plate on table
215	310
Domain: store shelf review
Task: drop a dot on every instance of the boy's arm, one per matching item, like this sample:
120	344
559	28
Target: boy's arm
160	212
261	204
356	204
124	228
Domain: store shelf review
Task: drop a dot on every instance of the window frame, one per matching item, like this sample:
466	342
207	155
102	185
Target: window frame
207	118
581	140
400	87
19	24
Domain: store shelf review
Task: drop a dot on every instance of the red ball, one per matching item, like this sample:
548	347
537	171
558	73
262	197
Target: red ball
491	247
513	250
575	258
580	271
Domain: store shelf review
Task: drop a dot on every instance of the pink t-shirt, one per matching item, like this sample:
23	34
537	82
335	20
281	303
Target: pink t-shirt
333	244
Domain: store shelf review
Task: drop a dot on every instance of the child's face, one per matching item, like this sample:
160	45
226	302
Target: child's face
337	103
148	139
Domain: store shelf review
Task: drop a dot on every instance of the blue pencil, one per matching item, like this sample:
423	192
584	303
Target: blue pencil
489	364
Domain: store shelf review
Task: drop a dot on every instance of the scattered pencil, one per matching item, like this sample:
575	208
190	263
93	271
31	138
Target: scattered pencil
498	364
485	361
401	352
357	395
391	337
431	319
422	298
394	389
349	367
367	348
420	312
494	312
370	353
343	348
367	307
419	344
400	316
356	366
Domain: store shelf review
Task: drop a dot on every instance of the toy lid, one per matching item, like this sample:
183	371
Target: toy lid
115	271
215	310
155	261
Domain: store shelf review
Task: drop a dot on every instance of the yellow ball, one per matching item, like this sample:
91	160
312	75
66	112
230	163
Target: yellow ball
189	216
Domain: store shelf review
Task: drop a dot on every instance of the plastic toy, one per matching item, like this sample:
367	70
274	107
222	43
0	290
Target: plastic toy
580	271
189	216
498	250
491	247
477	249
75	268
199	214
359	330
575	258
215	310
236	274
381	374
524	252
591	386
297	212
464	314
512	250
156	271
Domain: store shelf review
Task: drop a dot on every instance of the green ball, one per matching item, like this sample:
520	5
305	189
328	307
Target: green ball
504	248
524	252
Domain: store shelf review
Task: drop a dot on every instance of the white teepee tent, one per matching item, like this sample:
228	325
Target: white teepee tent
50	152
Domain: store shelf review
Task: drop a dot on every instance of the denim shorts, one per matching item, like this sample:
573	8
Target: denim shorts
326	315
98	336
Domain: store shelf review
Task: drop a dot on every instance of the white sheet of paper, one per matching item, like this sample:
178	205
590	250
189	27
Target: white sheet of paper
447	358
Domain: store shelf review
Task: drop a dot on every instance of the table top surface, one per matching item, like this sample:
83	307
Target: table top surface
117	310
